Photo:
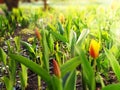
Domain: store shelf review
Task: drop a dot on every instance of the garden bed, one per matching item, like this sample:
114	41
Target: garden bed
60	51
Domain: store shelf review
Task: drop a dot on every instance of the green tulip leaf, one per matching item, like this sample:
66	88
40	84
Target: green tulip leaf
113	62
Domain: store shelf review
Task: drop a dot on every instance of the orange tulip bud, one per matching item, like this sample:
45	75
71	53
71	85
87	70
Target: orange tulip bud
51	17
94	48
37	33
56	69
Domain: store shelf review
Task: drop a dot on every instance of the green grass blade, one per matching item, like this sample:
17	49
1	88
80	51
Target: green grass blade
70	65
113	62
33	66
112	87
71	81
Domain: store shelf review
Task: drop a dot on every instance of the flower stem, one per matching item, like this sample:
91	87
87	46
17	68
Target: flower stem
94	65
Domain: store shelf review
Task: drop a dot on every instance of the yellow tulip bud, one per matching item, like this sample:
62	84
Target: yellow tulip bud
94	48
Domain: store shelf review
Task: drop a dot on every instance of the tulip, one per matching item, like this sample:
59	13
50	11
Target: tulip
94	48
56	69
37	33
51	17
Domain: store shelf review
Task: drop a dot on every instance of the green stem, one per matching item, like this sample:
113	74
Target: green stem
94	65
83	81
39	83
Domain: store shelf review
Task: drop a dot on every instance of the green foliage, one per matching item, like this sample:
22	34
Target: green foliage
112	86
88	73
59	36
3	56
71	81
8	83
71	65
45	51
57	83
23	76
28	47
33	66
67	42
113	62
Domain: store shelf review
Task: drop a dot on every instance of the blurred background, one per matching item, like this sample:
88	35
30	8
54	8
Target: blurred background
53	3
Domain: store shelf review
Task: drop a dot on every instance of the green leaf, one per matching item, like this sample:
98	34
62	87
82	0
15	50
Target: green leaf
33	66
72	42
88	73
59	36
70	65
22	81
80	41
82	36
12	69
8	83
50	42
112	87
45	51
28	46
10	48
60	28
1	21
57	83
24	75
113	62
3	56
71	81
68	27
17	43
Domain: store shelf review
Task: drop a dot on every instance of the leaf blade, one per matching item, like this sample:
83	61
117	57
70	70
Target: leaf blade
59	36
112	87
33	66
3	56
114	63
70	65
71	80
